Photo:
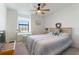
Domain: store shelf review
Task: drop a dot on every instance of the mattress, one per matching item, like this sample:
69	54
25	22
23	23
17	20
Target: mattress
45	44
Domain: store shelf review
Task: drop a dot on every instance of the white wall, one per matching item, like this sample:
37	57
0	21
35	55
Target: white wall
2	16
11	25
69	17
37	29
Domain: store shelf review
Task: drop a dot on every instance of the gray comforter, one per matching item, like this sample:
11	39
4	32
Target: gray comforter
45	44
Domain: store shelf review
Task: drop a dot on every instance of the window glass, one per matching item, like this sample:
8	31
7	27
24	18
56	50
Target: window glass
23	24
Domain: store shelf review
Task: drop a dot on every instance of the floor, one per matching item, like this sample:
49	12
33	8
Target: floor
71	51
22	50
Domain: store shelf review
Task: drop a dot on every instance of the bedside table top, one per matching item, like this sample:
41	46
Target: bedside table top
7	46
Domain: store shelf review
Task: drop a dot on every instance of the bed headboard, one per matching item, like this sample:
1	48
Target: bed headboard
65	30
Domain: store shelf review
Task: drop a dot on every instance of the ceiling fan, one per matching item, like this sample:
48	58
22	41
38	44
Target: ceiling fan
39	9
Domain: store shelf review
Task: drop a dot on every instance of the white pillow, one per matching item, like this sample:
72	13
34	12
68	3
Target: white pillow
50	33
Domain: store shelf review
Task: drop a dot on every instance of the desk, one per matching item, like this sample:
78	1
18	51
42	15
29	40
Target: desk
7	48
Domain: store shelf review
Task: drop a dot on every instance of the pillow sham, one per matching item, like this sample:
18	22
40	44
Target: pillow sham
50	33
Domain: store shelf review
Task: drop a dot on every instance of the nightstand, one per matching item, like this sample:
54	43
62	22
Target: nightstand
20	36
7	48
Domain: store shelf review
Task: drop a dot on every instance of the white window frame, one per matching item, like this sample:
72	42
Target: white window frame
29	19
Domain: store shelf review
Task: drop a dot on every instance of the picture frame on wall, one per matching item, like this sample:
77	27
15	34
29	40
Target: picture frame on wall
38	22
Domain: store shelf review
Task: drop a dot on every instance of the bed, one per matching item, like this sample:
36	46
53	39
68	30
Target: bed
46	44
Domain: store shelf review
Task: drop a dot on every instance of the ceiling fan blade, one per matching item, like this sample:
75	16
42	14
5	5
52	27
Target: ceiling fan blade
33	10
46	10
42	5
34	6
42	12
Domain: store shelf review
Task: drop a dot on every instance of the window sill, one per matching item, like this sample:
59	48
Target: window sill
29	33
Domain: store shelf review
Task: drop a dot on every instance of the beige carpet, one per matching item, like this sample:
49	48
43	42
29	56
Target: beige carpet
22	50
71	51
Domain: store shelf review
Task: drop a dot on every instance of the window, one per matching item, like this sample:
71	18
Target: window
23	24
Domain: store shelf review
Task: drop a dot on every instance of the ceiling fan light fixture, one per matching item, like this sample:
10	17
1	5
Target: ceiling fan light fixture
40	8
39	11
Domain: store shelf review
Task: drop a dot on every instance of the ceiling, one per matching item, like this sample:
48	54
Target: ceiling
25	8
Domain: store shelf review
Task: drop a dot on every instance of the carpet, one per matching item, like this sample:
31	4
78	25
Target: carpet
20	49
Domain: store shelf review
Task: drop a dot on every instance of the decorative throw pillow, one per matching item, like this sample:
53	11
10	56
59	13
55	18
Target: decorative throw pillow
58	31
50	33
